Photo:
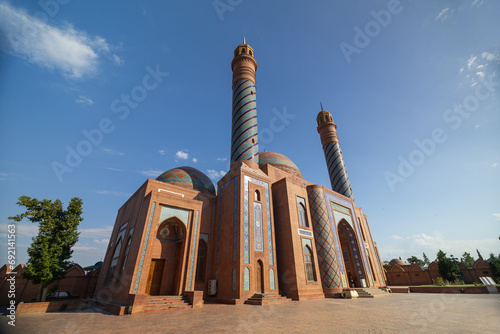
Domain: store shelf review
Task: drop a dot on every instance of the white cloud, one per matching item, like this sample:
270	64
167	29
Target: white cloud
72	52
444	14
118	60
215	175
221	159
114	193
471	61
182	155
195	160
161	152
102	241
493	165
115	169
480	74
110	151
84	100
94	233
151	172
478	3
496	215
396	237
489	56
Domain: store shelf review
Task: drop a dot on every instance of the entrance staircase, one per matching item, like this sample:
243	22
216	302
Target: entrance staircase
371	292
266	299
163	303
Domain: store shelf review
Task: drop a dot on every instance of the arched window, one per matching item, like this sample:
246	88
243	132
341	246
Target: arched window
308	260
257	195
124	258
302	215
202	261
114	261
243	51
250	52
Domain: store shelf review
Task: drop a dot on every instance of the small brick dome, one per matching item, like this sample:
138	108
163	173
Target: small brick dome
398	262
279	161
188	177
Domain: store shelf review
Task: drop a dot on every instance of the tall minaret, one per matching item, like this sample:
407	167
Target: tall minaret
333	155
244	137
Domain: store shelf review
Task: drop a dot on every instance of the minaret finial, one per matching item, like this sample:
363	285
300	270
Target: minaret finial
244	42
321	104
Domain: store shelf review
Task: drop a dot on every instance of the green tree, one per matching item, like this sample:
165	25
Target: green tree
495	265
50	250
479	256
447	267
416	260
467	260
426	259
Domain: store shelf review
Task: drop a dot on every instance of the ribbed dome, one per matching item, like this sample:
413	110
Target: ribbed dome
398	262
279	161
188	177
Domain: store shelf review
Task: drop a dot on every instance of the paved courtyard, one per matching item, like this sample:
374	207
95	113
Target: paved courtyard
399	313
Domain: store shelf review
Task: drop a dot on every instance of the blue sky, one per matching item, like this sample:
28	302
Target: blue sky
413	87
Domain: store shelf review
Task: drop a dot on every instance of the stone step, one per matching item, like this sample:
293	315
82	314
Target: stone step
371	292
163	303
266	299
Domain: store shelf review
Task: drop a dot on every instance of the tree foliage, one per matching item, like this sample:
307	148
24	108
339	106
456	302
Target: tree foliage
447	267
50	251
495	265
467	260
416	260
426	259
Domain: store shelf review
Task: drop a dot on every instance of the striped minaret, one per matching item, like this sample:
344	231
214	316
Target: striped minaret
244	137
333	155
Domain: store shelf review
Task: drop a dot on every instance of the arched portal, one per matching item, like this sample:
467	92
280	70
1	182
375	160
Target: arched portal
351	254
166	272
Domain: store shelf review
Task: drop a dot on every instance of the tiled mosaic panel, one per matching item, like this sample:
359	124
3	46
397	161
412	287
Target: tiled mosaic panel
139	271
246	279
244	137
170	211
336	169
191	175
272	284
325	245
193	250
257	227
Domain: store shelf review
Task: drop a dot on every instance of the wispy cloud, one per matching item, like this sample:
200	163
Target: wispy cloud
162	152
182	155
96	233
495	164
102	241
114	193
84	100
151	172
195	160
478	3
444	14
115	169
221	159
110	151
496	215
480	66
72	52
215	175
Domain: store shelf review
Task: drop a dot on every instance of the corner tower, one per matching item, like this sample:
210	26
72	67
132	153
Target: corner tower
333	155
244	134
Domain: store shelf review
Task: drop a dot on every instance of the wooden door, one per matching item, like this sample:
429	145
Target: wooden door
260	281
154	277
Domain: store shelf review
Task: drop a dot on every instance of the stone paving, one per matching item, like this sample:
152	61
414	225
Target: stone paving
399	313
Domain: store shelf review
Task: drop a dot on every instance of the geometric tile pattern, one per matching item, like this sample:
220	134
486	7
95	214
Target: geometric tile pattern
246	279
193	249
144	248
246	233
336	169
170	211
188	175
325	245
257	228
279	161
244	136
271	278
354	247
235	219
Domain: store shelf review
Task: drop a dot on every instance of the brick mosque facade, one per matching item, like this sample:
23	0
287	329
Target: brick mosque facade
264	235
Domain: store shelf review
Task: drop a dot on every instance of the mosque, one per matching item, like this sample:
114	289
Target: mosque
265	235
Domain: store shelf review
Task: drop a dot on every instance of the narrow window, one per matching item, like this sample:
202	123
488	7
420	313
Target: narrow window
202	261
250	52
114	261
308	259
257	195
124	259
303	215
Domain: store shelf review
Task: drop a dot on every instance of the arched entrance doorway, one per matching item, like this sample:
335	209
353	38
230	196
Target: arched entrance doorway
259	274
165	273
350	252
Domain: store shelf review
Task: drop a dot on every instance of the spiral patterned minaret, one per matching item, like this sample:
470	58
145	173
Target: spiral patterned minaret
244	136
333	155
